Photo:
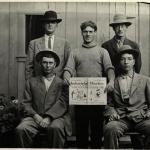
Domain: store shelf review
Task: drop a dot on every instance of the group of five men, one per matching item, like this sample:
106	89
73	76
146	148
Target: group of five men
51	63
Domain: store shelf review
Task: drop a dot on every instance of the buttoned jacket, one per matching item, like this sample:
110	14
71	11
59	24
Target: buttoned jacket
53	103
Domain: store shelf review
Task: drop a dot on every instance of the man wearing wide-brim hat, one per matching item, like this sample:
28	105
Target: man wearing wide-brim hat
46	103
128	106
120	25
59	45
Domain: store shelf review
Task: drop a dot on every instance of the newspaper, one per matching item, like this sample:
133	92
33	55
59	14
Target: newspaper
87	91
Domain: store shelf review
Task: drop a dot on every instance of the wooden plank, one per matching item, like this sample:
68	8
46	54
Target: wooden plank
51	5
71	24
12	84
120	7
4	47
85	11
32	7
103	22
61	11
131	12
144	29
112	12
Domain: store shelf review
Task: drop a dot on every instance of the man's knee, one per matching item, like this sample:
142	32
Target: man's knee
111	128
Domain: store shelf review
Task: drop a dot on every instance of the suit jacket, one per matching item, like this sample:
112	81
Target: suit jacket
111	47
53	102
61	47
139	101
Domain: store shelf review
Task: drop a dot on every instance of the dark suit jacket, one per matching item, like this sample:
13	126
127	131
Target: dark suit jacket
111	47
53	103
61	47
139	101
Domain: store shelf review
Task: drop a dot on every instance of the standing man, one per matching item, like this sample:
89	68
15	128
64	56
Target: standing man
129	104
48	41
120	25
89	60
46	102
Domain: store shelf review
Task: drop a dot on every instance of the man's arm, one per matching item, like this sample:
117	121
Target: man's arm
109	70
27	102
147	96
29	67
110	113
138	62
70	68
61	105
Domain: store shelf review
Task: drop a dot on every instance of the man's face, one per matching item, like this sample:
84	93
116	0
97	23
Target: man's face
48	65
127	62
50	27
88	34
120	30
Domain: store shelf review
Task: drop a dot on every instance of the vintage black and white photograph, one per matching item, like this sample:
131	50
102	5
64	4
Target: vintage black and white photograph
47	47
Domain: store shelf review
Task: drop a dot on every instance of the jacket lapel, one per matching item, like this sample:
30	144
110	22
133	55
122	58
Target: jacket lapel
114	45
52	88
119	88
135	83
41	84
41	44
126	42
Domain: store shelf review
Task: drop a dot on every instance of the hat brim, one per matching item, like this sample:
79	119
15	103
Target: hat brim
51	20
47	52
116	23
129	51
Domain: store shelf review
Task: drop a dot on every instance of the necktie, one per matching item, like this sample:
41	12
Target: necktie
49	43
119	43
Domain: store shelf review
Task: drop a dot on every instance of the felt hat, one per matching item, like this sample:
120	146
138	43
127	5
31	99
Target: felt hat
120	19
43	53
50	16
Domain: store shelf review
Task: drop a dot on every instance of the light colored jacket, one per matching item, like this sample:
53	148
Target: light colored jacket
139	101
61	47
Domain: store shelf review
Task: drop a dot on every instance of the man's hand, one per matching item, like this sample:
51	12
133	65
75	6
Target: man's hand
37	118
147	115
109	87
114	117
45	122
67	77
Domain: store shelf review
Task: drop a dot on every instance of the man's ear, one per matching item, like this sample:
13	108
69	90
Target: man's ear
54	64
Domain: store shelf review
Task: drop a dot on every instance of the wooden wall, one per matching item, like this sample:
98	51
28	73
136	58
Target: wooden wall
12	32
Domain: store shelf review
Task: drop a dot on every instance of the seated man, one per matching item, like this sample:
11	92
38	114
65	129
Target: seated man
129	105
46	101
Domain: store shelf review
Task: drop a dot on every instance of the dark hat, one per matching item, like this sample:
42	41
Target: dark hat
45	53
50	16
127	49
120	19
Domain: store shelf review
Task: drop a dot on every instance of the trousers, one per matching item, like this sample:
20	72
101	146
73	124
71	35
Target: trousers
113	130
89	123
28	129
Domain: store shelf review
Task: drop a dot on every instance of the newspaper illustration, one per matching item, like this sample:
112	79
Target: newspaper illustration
87	91
78	91
96	95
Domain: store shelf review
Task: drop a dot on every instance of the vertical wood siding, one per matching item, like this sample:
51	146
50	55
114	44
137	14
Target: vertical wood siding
12	30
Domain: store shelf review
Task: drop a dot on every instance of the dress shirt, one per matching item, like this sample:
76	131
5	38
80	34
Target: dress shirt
48	81
47	40
125	85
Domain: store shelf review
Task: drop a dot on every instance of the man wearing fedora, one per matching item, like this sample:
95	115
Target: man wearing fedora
46	103
120	25
48	41
129	104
